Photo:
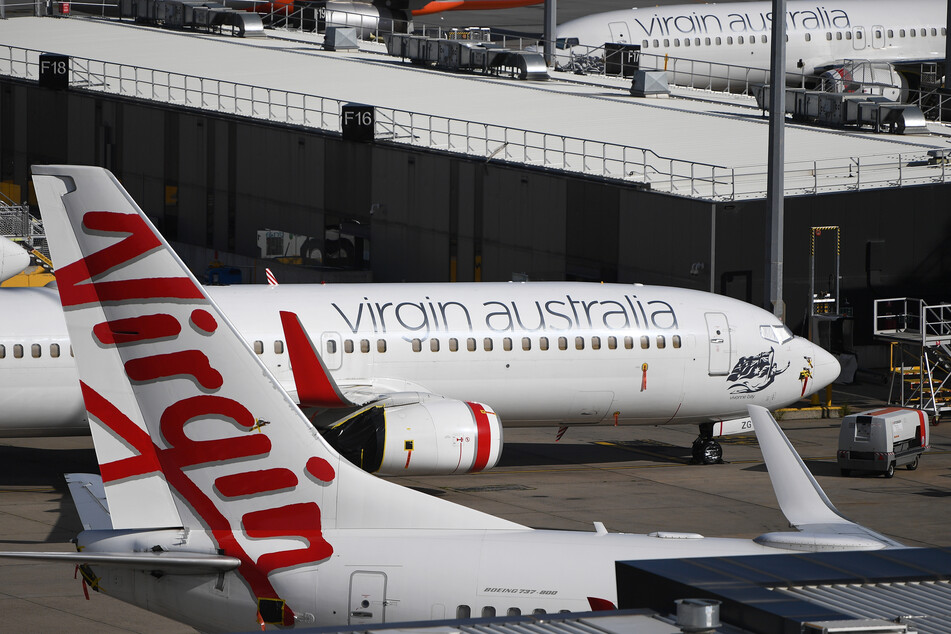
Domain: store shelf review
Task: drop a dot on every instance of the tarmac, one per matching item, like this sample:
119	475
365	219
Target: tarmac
633	479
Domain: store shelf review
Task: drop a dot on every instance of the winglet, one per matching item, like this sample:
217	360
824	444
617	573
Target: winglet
803	501
315	386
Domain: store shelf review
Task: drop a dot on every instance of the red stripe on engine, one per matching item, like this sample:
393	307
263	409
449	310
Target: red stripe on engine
483	438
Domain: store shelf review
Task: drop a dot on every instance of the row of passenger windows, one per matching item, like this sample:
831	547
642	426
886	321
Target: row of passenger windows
488	344
36	350
763	39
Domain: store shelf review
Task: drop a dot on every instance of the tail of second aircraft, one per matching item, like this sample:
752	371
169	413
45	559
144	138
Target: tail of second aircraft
196	433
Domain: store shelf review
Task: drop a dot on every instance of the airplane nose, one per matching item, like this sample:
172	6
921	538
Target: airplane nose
825	368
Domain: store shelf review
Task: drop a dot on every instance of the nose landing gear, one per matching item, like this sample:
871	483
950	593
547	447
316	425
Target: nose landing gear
705	449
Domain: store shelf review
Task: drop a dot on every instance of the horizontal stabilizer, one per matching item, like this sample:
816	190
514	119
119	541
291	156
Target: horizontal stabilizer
803	501
173	563
89	496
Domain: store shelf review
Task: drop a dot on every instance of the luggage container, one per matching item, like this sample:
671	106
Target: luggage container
882	439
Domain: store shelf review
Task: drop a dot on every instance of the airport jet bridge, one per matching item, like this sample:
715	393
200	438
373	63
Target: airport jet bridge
920	336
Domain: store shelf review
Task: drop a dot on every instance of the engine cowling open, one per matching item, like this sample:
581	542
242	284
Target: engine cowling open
426	437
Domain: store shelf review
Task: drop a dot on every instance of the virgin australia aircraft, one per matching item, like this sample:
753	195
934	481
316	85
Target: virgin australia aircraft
860	40
220	505
415	378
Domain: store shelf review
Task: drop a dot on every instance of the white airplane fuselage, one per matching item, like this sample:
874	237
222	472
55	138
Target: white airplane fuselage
738	34
537	353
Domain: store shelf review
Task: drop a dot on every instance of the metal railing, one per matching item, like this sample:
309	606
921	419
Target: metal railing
489	141
909	318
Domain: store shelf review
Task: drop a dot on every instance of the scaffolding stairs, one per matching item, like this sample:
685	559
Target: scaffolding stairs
920	358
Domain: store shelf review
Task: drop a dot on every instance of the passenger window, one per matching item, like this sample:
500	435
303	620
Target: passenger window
675	340
729	39
686	41
595	343
434	345
543	343
901	32
331	346
348	346
364	346
36	350
612	343
470	344
656	43
944	31
645	342
54	350
923	32
666	43
878	33
718	41
706	41
279	347
661	342
453	345
17	351
739	40
487	344
644	44
858	34
696	41
526	343
628	342
891	33
463	612
762	38
71	352
808	37
513	612
258	347
417	345
838	35
381	345
3	351
507	343
676	41
579	343
829	35
562	343
539	611
488	612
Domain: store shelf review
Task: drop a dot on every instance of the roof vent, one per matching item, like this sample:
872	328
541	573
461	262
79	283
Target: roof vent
698	615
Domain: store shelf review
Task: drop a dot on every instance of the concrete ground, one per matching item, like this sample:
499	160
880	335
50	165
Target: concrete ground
632	479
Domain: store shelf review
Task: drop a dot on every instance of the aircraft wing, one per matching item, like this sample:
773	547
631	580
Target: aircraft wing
178	563
821	526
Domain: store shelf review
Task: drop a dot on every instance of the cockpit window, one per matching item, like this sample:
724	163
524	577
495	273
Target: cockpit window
777	334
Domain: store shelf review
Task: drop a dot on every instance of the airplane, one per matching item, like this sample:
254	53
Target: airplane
848	42
219	504
531	354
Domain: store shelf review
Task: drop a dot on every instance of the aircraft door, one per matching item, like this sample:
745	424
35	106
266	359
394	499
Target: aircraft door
858	38
878	37
620	32
367	597
330	350
718	334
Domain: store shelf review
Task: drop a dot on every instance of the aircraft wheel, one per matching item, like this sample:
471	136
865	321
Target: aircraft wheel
711	452
890	471
911	466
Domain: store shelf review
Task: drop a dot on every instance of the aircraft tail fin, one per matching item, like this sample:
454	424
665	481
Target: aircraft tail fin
315	386
803	501
189	426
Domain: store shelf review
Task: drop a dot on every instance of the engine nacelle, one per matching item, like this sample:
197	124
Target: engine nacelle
869	78
431	436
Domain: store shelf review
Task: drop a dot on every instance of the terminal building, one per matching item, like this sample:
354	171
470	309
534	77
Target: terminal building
235	148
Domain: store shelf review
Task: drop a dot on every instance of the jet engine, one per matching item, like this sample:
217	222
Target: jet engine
869	78
431	435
